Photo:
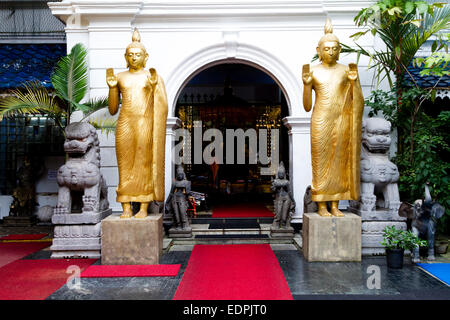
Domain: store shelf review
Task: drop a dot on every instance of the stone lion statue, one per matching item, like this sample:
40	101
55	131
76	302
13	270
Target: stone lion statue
82	187
379	175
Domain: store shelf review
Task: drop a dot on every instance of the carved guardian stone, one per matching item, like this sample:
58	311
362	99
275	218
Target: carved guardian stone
379	197
82	196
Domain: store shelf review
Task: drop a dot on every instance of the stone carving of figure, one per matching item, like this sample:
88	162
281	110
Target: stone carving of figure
140	131
24	195
284	202
308	204
178	199
335	126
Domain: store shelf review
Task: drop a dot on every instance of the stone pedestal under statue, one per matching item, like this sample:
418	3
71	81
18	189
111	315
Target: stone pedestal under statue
331	238
180	233
285	233
132	241
373	225
77	235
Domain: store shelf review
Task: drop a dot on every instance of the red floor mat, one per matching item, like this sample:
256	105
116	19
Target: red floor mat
246	210
11	251
109	271
233	272
24	236
36	279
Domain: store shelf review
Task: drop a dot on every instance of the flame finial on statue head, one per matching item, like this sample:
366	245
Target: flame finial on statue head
136	41
136	36
328	26
329	35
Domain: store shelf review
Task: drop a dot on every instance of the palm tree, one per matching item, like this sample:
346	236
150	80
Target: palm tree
33	98
69	80
403	26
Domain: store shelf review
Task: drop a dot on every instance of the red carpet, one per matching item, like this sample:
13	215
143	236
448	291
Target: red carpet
24	236
233	272
36	279
110	271
242	210
12	251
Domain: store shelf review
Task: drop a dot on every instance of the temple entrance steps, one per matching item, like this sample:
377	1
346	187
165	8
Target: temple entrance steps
232	231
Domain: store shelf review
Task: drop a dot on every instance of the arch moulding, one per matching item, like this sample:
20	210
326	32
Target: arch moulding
232	52
229	53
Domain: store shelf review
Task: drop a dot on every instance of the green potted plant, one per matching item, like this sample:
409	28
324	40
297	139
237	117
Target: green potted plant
396	241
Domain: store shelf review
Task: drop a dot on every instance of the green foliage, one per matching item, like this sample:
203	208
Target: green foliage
403	26
424	146
435	64
394	238
33	99
107	125
94	105
69	79
422	136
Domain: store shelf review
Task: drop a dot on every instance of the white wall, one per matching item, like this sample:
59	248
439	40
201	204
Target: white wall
185	38
5	203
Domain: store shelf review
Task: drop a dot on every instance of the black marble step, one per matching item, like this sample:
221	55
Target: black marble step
234	225
231	236
232	220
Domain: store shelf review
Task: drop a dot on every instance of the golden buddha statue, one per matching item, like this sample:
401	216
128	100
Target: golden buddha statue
335	125
140	131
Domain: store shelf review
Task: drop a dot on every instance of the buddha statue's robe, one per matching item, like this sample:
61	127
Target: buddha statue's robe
140	136
335	134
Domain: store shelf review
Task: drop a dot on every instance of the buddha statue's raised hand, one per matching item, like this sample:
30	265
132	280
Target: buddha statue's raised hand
111	79
306	75
113	95
352	72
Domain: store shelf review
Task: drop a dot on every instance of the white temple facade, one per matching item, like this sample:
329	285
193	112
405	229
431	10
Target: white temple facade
184	38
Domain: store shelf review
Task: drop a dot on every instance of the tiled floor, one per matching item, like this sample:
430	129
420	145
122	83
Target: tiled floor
306	280
321	279
316	280
157	288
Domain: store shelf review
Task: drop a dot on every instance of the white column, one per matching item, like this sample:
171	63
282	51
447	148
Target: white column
172	124
300	170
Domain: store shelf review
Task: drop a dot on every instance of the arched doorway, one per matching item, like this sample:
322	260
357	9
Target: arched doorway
233	101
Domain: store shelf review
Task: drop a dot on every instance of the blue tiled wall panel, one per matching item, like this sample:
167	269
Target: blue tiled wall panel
28	62
425	81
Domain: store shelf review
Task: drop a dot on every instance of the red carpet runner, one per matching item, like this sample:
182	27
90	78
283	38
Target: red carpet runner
233	272
36	279
109	271
12	251
242	210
